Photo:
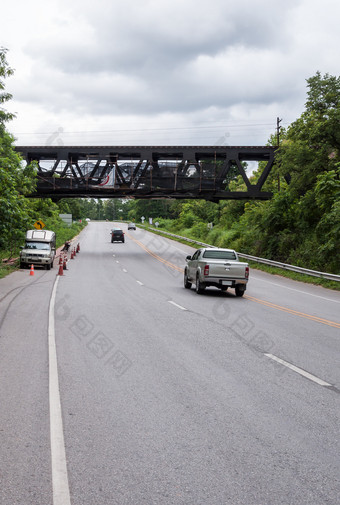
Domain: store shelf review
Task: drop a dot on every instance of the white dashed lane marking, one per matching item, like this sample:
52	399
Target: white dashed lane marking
176	305
299	371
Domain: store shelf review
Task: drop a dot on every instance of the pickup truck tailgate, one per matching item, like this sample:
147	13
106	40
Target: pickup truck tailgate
227	269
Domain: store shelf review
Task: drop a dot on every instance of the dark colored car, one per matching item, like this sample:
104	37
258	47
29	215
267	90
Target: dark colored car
117	235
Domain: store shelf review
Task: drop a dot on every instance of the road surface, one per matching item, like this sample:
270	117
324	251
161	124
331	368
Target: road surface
119	386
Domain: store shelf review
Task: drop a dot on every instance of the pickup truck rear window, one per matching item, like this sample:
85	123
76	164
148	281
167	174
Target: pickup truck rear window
221	255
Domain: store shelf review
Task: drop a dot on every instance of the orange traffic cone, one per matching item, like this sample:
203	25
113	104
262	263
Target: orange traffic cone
61	271
32	270
65	263
78	247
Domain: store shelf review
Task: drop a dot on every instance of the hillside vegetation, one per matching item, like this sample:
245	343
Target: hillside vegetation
301	223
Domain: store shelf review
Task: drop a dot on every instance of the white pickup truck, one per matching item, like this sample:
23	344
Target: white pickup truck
216	267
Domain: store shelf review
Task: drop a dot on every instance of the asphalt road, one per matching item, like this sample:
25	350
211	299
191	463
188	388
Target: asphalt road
166	396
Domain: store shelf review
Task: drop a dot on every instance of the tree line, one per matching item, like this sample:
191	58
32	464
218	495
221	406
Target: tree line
299	225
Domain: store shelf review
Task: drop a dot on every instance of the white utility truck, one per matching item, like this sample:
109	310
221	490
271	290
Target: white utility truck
39	249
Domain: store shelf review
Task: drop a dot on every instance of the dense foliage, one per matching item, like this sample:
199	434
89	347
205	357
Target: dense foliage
17	212
299	225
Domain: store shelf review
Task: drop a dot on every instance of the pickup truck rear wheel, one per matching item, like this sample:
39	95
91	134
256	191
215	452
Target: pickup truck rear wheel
187	283
239	291
200	286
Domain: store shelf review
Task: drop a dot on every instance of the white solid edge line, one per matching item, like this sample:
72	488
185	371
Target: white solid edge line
60	485
176	305
298	370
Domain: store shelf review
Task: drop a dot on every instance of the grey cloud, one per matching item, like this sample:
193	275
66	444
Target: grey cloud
129	58
133	38
185	58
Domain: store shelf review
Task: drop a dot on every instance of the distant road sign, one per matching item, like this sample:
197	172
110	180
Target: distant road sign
39	225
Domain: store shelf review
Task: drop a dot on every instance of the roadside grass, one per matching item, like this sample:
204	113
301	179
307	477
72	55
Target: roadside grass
308	279
295	276
9	264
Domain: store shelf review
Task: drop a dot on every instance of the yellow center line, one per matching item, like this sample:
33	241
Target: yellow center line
251	298
294	312
159	258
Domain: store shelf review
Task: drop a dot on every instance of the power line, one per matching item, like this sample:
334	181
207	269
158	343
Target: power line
146	129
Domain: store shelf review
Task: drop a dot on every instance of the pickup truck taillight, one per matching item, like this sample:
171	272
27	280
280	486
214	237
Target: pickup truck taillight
206	270
247	272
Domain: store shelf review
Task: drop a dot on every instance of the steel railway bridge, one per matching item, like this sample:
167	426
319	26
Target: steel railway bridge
191	172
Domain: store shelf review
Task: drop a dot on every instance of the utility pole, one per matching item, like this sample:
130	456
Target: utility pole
278	128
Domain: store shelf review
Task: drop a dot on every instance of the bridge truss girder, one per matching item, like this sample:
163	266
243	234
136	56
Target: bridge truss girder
190	172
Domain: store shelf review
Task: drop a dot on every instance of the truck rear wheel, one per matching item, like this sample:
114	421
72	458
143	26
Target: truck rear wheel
187	283
239	291
200	286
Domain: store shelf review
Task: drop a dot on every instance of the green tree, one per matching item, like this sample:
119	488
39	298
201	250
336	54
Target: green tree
301	223
15	182
5	71
198	210
74	206
311	144
116	209
150	208
15	211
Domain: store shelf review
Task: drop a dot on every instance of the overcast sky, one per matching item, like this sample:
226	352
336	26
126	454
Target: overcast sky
163	72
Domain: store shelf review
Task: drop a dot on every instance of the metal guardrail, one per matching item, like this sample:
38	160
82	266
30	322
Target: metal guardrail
285	266
293	268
